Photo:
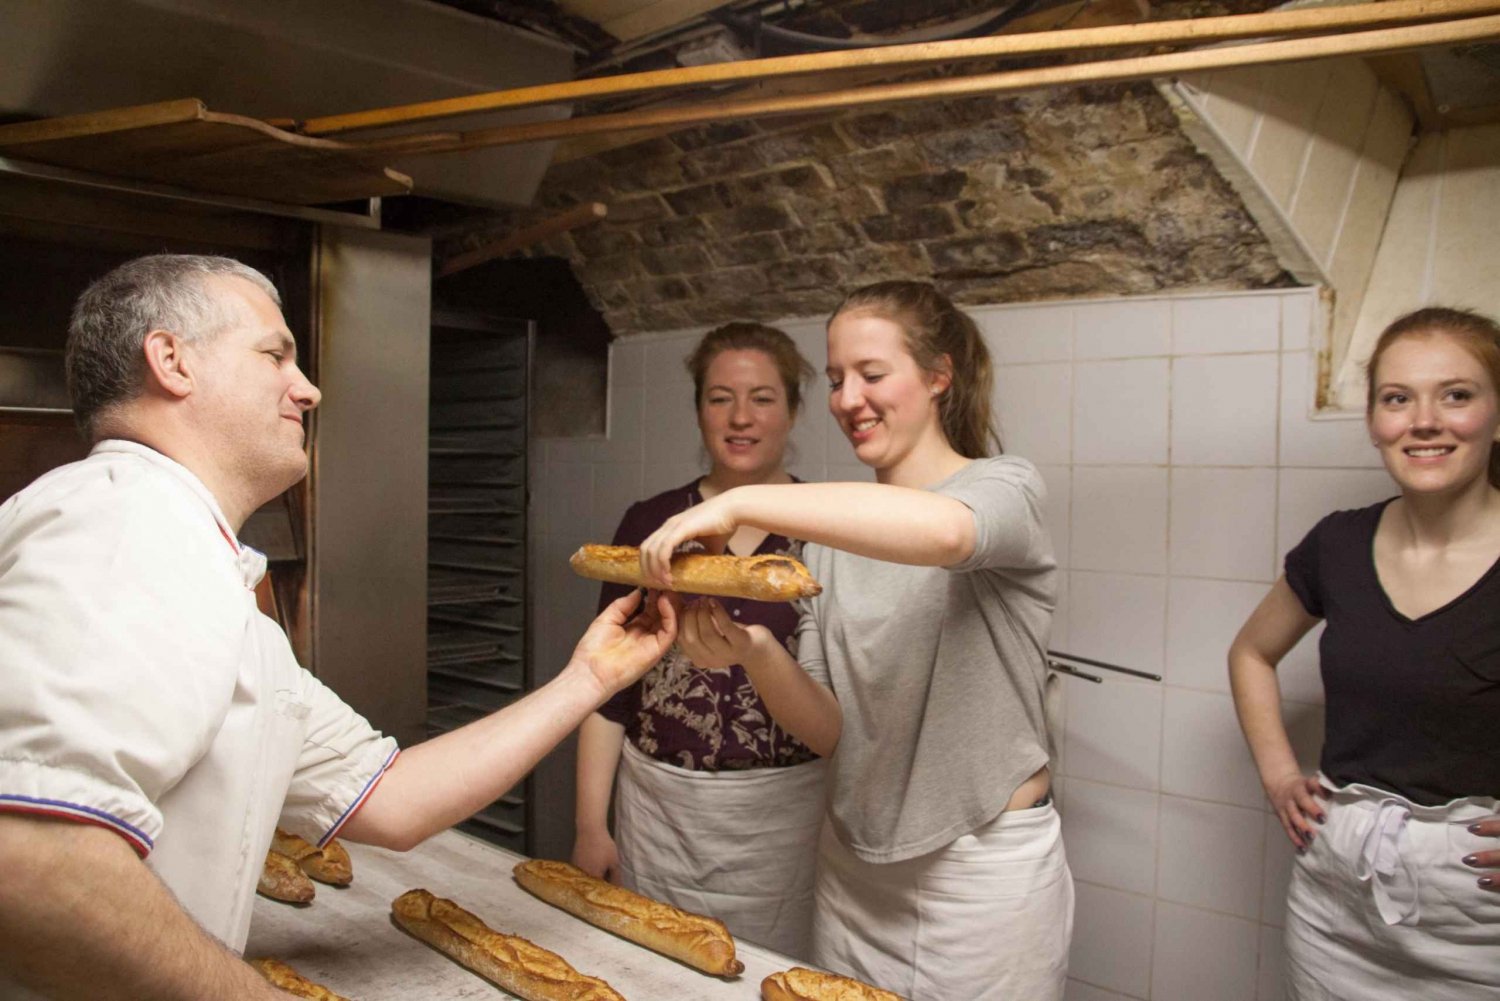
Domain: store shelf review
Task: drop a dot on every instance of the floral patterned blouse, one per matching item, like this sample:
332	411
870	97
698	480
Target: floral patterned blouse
697	719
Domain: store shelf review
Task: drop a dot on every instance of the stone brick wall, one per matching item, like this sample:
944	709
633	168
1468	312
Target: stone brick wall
1082	192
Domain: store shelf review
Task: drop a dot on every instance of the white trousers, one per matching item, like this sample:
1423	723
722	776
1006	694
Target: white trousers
989	916
1381	907
738	846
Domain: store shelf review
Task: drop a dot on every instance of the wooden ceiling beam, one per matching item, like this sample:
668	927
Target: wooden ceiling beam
1454	32
1192	31
1078	14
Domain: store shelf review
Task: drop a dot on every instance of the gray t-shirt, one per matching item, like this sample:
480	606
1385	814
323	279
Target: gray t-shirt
939	671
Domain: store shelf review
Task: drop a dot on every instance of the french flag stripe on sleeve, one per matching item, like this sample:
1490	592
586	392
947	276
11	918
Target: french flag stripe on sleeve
76	812
364	794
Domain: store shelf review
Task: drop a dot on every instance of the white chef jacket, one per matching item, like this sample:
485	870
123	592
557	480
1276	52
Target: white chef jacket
141	689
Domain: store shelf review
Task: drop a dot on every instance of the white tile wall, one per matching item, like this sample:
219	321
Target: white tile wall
1059	483
617	485
1224	410
1122	329
627	363
1117	618
1199	956
1077	990
1120	411
1119	518
1113	733
1228	324
1034	405
1317	442
1112	933
1223	522
626	439
1277	874
1028	333
1196	758
1203	617
1181	464
1298	670
1211	856
1062	636
1299	311
1111	835
1269	985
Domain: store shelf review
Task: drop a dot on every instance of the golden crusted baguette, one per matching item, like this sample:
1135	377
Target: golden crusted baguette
802	984
516	965
701	942
762	578
329	864
280	879
283	976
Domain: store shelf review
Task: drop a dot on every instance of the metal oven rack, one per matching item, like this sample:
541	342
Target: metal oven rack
477	610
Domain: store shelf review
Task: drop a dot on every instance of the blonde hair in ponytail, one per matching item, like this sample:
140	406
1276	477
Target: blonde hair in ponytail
934	328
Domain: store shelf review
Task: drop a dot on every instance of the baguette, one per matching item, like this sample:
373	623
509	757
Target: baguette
701	942
280	879
283	976
329	864
761	578
802	984
514	964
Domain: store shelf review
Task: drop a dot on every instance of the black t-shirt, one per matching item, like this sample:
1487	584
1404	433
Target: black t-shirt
1413	705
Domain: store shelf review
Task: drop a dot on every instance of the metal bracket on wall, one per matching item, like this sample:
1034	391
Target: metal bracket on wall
1054	656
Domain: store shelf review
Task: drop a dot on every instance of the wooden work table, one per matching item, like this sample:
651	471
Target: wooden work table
345	939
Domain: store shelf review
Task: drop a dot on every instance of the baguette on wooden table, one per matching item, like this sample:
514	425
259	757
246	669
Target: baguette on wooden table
703	943
767	577
329	864
284	977
802	984
521	967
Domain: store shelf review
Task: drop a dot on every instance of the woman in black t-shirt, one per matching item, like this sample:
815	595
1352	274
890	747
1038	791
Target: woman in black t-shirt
1394	893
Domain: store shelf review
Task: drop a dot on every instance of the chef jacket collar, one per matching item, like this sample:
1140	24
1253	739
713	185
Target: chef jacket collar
250	562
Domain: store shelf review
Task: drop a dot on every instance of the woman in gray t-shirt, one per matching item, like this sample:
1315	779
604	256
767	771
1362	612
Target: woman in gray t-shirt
920	668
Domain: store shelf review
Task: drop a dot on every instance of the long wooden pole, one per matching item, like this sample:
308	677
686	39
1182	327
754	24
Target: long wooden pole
1106	71
578	215
1193	31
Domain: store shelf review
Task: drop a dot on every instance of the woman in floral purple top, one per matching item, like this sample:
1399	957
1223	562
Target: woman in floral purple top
717	808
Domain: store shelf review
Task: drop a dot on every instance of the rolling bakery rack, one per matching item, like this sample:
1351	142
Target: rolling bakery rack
478	634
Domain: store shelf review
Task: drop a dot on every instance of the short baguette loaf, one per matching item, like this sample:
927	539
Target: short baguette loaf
284	977
280	879
802	984
516	965
329	864
762	578
701	942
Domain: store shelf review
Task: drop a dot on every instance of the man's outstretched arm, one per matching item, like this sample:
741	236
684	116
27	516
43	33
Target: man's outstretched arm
440	782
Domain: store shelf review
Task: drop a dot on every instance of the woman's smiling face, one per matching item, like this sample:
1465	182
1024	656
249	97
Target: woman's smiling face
1435	413
744	415
883	401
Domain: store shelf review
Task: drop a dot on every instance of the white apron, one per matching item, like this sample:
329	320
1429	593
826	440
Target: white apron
988	916
738	846
1381	907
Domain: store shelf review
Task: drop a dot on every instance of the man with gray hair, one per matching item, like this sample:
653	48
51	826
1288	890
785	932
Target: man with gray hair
150	712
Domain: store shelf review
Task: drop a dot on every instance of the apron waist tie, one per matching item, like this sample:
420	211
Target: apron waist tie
1392	878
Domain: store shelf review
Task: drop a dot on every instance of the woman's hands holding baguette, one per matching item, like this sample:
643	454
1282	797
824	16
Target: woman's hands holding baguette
713	640
618	649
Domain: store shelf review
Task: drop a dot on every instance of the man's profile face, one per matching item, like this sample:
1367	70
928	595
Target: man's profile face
254	396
